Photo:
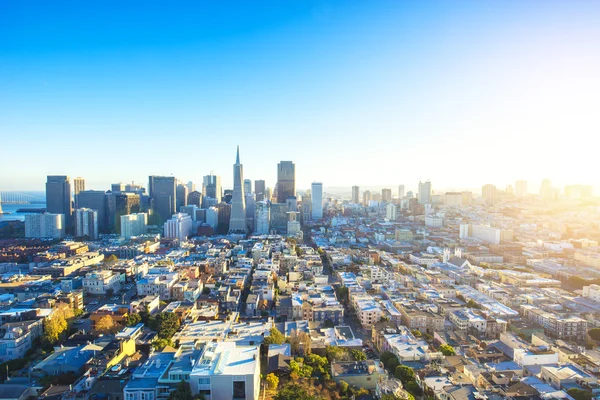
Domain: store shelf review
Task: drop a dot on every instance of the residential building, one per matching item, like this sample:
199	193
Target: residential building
86	223
134	225
317	200
489	194
179	226
101	282
263	218
400	192
355	195
424	192
360	374
45	225
521	189
386	195
227	371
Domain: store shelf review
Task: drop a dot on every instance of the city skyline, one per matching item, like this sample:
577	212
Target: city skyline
419	85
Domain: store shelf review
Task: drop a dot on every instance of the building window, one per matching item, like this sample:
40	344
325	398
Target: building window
239	390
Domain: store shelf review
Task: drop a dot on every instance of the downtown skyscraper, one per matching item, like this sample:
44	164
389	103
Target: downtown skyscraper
286	181
237	220
58	197
317	200
163	196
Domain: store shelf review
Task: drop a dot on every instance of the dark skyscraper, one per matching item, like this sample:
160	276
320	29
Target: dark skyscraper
286	181
163	196
58	197
259	190
95	200
195	199
182	194
237	223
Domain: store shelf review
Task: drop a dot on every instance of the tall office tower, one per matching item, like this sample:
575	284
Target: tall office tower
163	196
212	217
260	190
58	197
292	203
286	181
401	191
279	218
237	223
521	188
306	208
386	195
317	200
179	226
224	210
211	187
191	186
366	197
489	194
250	211
425	192
355	195
247	186
86	223
546	190
45	225
134	225
194	199
190	210
262	218
78	186
182	195
95	200
117	187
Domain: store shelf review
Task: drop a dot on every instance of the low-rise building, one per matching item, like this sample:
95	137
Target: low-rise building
101	282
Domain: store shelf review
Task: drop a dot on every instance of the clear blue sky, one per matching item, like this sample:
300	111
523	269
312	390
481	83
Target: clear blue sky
355	92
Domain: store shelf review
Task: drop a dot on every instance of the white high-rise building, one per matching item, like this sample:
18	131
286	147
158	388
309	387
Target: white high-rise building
179	226
391	211
45	225
237	219
400	191
262	218
317	200
521	188
86	223
355	195
425	192
134	225
247	187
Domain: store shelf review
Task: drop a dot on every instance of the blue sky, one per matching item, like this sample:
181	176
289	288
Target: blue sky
355	92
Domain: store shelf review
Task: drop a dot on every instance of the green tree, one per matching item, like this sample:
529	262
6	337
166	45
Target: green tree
404	373
275	337
299	368
579	394
472	304
342	294
272	381
133	319
160	344
413	388
166	324
447	350
358	355
594	333
293	392
111	259
205	290
318	363
328	324
389	360
182	392
344	387
335	353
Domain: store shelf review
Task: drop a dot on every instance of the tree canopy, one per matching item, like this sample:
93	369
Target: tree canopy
165	324
447	350
594	333
275	337
182	392
105	325
293	392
